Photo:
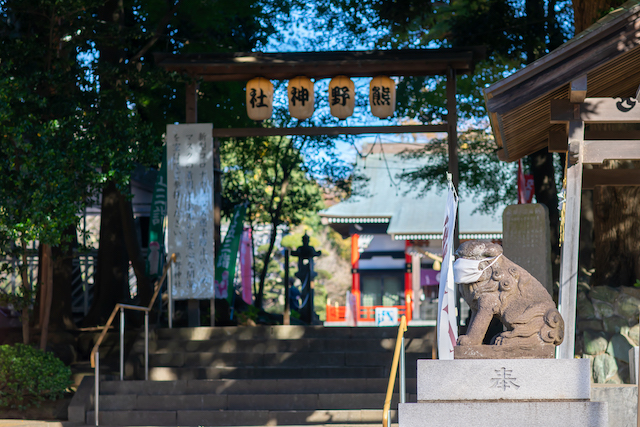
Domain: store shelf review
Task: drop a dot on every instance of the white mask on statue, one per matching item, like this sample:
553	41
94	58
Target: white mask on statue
468	270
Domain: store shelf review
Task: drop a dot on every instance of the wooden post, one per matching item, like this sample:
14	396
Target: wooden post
452	137
571	245
192	102
452	134
286	316
217	213
193	305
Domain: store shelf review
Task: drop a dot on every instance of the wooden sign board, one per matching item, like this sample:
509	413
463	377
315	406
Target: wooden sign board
190	209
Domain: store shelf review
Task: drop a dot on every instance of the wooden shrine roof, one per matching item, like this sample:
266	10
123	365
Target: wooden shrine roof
608	52
284	66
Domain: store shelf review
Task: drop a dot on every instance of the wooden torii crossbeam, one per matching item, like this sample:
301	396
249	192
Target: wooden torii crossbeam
583	151
241	66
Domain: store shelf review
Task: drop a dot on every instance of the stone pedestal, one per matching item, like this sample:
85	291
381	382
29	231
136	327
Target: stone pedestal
544	351
503	393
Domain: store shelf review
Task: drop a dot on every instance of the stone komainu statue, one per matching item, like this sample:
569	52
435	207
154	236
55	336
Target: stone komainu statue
507	291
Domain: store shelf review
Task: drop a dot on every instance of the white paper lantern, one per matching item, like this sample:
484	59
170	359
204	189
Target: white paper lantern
301	97
382	96
342	97
259	99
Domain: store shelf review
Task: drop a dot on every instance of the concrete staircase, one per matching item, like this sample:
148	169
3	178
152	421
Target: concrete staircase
256	376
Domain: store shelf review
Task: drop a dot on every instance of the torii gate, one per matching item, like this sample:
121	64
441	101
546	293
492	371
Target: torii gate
318	65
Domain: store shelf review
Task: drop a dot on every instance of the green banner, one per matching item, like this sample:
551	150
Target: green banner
155	256
226	261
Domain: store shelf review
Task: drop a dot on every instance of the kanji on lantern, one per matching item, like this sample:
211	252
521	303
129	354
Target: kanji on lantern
342	97
301	97
382	96
259	99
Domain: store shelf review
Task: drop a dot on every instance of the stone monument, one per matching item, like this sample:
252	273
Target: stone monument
526	240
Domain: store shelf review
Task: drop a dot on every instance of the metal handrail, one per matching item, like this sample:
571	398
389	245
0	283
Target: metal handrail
95	352
398	356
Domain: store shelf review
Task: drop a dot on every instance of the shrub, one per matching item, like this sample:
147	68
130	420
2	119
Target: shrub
29	376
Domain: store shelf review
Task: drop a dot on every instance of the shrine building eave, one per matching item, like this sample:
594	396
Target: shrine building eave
607	53
317	65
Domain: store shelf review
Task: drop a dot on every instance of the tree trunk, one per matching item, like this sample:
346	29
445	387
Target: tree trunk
46	287
111	278
26	286
61	305
275	220
134	249
535	32
616	225
541	166
588	12
617	232
586	248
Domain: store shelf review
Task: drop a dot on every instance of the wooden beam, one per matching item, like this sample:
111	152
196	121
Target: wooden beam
558	141
570	247
611	134
596	110
562	111
578	89
610	177
242	66
599	151
331	131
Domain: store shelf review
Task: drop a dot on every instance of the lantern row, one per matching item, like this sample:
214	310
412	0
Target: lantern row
300	93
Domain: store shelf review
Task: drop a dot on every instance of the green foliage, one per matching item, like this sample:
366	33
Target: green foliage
29	376
320	300
248	314
479	168
256	170
294	240
323	275
342	246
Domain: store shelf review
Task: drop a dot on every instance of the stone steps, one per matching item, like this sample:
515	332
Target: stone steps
289	332
270	346
264	372
212	402
237	402
284	359
264	386
272	375
240	417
